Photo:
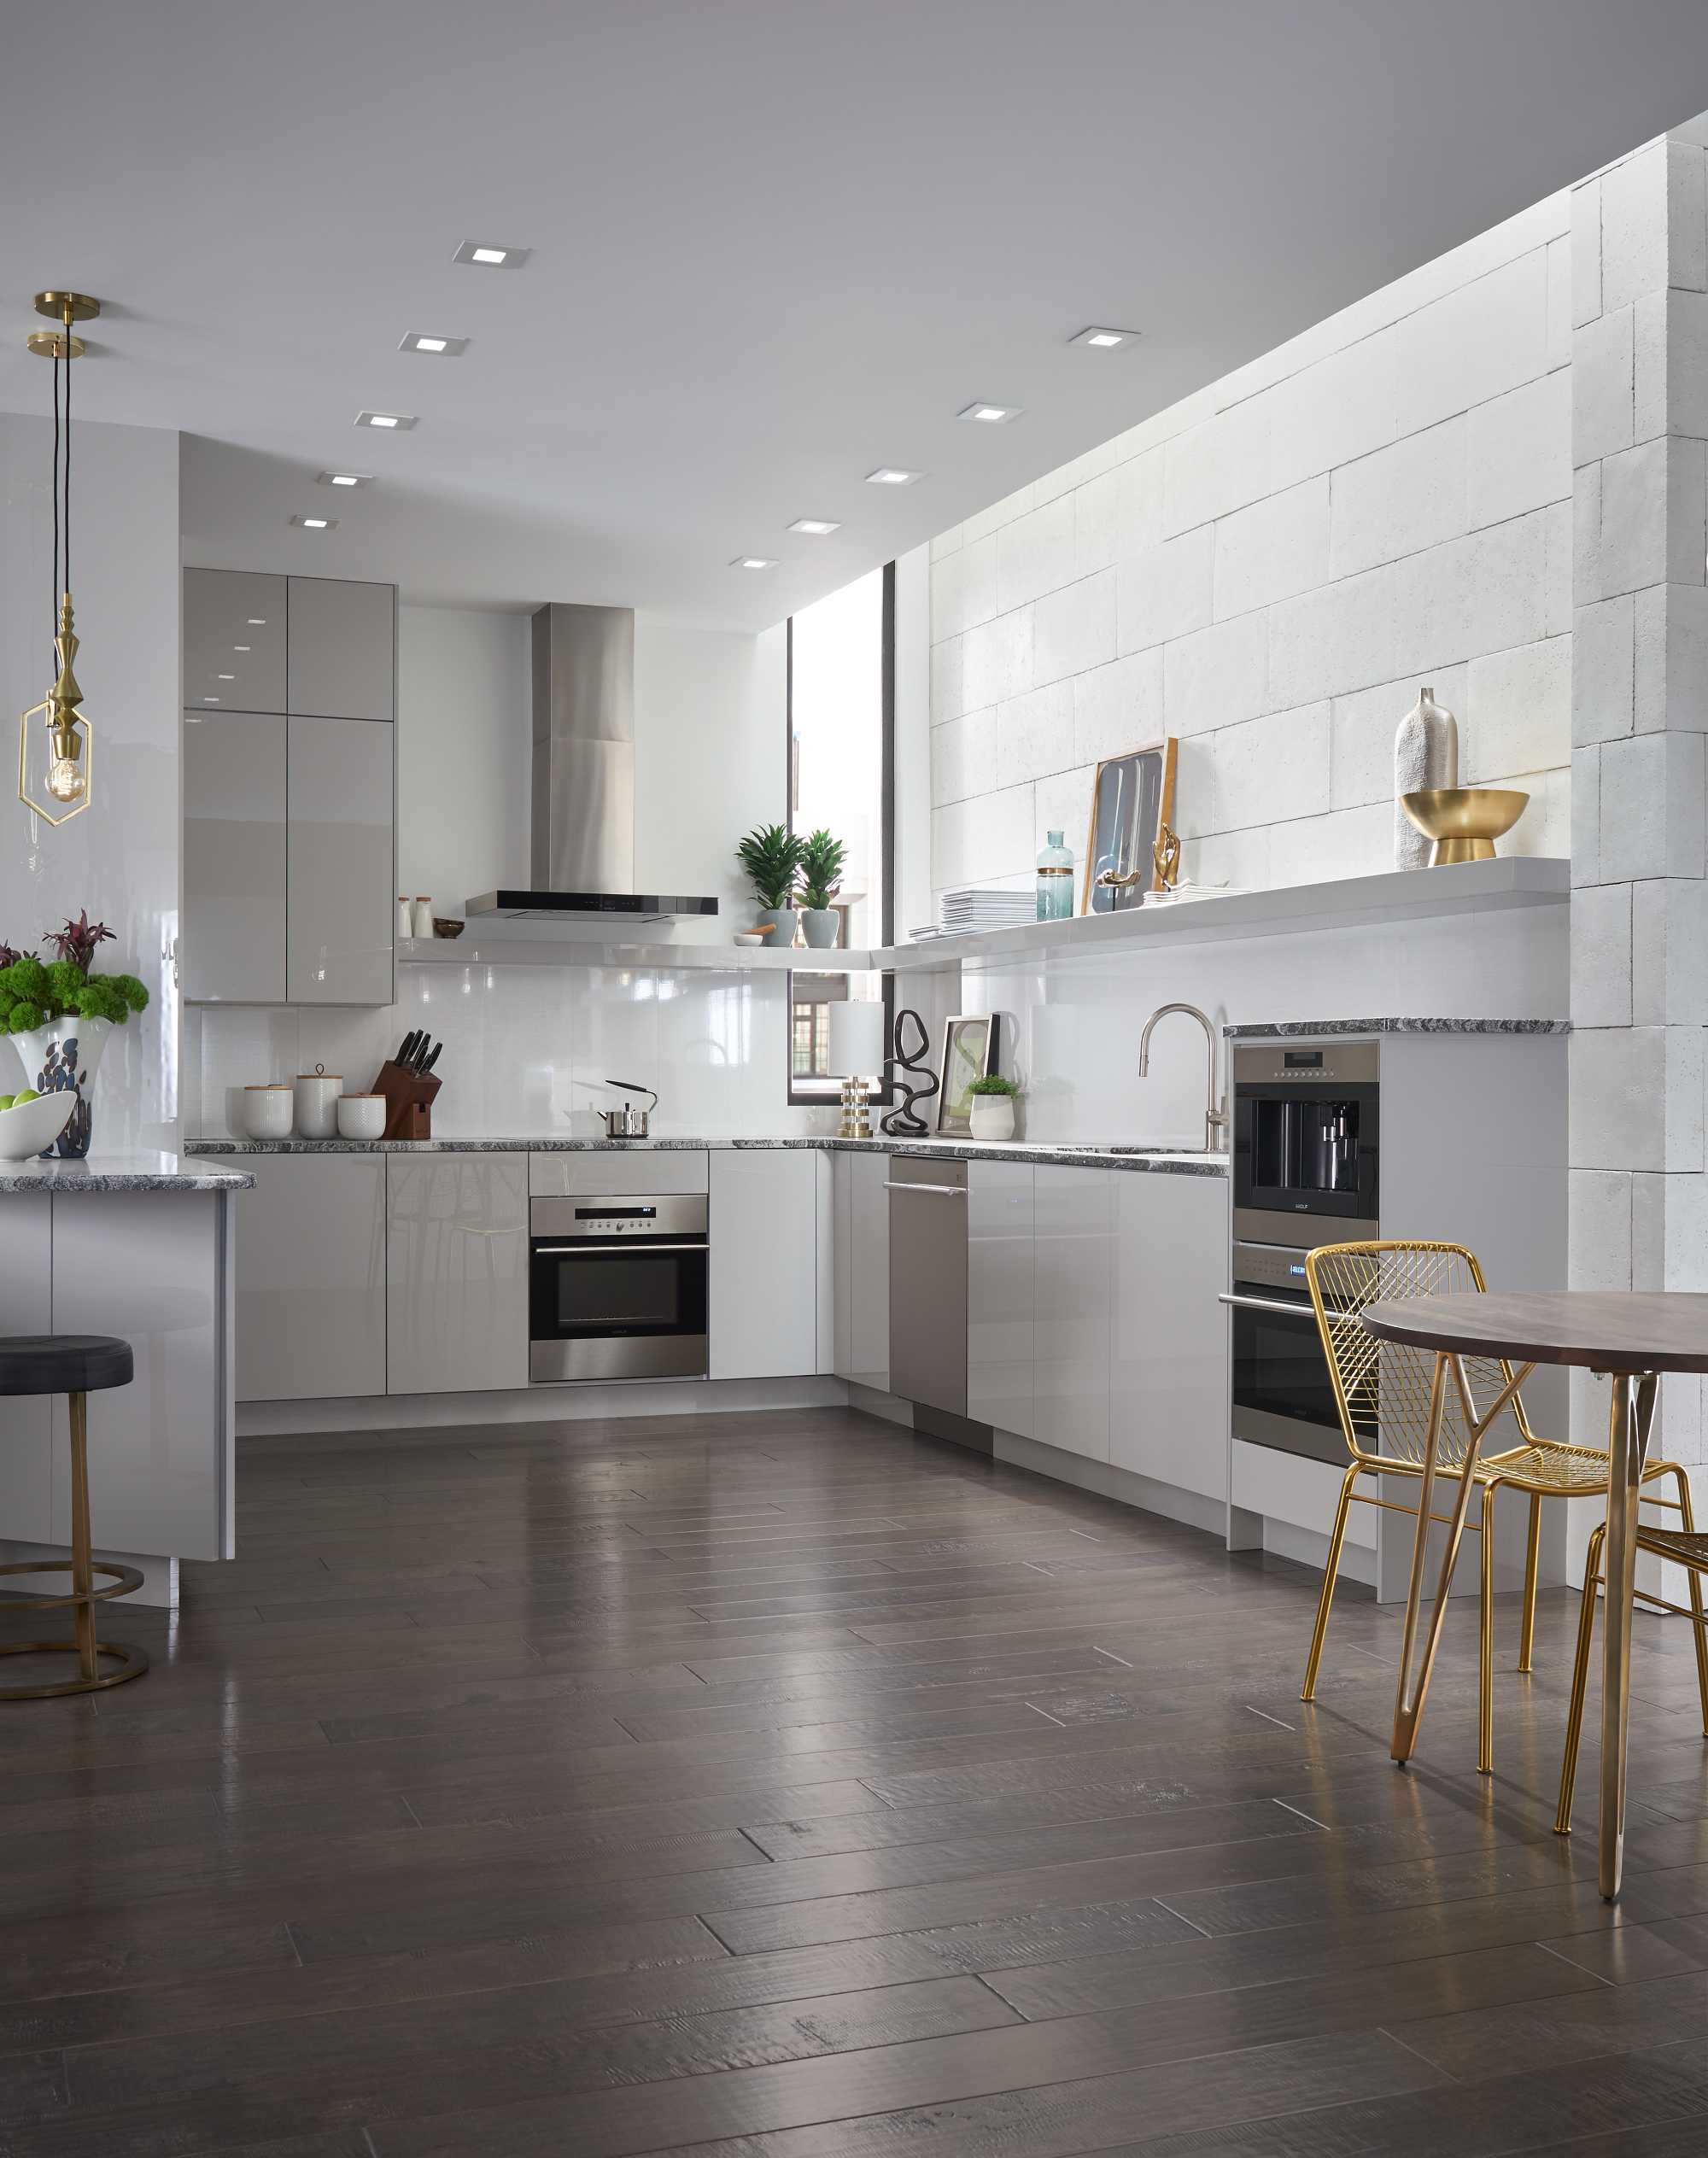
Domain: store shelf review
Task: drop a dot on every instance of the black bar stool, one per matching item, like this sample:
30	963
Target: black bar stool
76	1365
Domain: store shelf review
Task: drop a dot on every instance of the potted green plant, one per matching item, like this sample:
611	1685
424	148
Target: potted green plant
771	856
992	1111
820	870
59	1016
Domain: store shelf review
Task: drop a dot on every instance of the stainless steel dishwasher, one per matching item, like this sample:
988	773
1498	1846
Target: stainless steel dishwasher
928	1296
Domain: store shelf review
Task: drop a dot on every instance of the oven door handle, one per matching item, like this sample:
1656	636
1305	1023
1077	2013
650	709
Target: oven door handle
589	1249
1282	1310
932	1191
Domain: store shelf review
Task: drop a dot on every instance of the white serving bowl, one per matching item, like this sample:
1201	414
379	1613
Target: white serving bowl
361	1116
33	1126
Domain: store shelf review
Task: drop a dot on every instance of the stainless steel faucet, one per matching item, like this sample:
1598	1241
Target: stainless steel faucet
1215	1117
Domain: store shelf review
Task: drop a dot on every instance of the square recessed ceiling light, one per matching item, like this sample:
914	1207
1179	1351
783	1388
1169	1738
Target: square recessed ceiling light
445	347
992	415
753	561
490	257
257	621
817	526
316	524
893	475
224	678
385	419
243	647
345	479
1104	340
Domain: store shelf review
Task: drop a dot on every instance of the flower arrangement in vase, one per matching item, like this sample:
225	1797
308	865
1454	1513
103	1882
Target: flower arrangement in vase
60	1016
771	856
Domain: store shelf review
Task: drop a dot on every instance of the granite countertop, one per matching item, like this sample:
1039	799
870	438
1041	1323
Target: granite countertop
1163	1160
119	1172
1277	1029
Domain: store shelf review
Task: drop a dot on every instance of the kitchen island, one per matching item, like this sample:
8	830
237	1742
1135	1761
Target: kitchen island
139	1245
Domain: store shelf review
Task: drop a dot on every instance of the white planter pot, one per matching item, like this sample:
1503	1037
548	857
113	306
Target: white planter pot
65	1054
992	1116
819	926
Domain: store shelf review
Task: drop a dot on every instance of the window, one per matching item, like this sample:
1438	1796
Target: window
841	707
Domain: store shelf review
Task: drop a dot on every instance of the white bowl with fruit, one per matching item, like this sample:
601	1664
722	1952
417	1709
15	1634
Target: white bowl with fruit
30	1121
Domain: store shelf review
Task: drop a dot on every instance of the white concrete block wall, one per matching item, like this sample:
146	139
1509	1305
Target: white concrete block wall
1269	570
1639	379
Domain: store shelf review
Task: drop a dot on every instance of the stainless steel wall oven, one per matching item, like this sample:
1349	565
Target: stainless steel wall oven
1307	1151
617	1287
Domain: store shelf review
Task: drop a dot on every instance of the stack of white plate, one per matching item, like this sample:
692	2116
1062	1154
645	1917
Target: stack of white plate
964	912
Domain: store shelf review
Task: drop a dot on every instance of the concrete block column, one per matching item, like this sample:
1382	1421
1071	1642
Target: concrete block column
1639	1176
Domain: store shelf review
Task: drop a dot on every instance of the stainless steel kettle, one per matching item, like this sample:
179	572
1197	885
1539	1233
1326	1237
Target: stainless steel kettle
628	1122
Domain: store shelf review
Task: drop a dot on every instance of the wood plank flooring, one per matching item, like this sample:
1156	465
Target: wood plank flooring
782	1787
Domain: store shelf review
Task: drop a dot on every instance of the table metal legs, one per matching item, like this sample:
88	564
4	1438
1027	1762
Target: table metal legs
1408	1702
1629	1419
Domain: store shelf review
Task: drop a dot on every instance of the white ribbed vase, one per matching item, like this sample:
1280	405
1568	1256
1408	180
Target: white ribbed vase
1425	754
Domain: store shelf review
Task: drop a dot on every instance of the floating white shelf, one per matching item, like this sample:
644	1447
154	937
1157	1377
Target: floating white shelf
1401	895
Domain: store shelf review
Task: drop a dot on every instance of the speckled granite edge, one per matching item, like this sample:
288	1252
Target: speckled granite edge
1287	1029
1140	1161
63	1178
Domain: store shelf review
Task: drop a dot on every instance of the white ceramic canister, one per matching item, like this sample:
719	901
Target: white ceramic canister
267	1111
421	919
361	1116
317	1103
405	920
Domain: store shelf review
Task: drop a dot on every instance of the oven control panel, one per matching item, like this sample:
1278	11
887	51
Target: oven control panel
1269	1267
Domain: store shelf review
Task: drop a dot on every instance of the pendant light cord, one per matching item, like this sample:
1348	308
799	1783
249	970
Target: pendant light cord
66	587
53	612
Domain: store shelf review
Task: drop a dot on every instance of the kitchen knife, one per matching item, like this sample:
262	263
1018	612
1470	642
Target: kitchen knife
410	1042
430	1060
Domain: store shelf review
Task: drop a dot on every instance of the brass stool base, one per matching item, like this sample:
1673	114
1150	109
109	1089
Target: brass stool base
133	1663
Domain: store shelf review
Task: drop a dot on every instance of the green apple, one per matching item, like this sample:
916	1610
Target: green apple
25	1094
5	1100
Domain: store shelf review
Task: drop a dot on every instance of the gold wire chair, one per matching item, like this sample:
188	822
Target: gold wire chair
1382	1390
1689	1550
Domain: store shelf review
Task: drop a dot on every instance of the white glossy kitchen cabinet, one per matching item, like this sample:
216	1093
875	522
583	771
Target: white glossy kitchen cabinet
311	1278
764	1267
235	807
342	650
456	1273
1168	1360
862	1208
234	639
1072	1257
340	879
1001	1295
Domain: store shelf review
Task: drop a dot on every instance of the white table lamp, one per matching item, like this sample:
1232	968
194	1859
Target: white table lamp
856	1052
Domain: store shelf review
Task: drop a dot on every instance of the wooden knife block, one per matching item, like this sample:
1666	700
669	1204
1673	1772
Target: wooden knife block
408	1101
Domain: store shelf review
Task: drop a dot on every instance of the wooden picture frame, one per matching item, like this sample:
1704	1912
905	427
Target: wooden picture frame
969	1052
1132	797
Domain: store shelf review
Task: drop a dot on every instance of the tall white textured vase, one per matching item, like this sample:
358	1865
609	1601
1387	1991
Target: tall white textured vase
1425	754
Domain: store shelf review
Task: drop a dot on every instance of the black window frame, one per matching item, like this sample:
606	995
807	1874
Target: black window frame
823	1093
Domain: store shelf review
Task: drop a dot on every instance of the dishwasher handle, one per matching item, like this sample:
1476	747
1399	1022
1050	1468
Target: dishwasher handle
934	1190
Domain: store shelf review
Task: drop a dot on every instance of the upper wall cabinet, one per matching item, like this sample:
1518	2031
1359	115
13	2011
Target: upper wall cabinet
234	633
340	877
342	649
234	856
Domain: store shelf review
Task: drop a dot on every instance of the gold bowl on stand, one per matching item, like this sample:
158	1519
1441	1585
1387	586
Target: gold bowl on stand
1464	822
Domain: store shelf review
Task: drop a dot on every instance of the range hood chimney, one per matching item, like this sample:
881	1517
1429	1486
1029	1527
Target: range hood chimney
583	799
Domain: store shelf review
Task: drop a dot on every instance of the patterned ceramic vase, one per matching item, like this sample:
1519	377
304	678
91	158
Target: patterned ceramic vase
65	1054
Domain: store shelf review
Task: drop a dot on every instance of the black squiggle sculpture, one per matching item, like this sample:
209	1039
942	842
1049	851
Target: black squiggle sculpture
904	1068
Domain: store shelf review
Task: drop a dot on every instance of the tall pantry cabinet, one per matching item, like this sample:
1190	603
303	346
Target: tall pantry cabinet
290	789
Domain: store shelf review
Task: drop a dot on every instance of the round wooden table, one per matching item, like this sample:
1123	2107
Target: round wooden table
1628	1336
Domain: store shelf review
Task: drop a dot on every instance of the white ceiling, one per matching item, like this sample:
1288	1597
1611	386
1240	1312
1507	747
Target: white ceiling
776	243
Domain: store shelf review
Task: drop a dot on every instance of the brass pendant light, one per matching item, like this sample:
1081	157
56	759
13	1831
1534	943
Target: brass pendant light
55	746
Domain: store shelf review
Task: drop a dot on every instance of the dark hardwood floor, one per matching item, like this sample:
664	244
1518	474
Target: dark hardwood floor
781	1787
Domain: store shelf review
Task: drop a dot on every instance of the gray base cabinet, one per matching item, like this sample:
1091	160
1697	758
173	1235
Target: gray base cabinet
763	1294
862	1261
1002	1319
456	1273
311	1278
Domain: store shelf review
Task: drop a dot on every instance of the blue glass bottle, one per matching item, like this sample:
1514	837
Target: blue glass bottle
1055	881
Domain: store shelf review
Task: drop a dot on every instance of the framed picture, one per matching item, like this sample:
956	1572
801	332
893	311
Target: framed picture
1132	797
969	1051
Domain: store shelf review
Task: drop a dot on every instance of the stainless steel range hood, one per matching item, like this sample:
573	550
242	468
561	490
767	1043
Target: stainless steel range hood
583	800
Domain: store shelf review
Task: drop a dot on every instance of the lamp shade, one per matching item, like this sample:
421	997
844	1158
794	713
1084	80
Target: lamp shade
855	1046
